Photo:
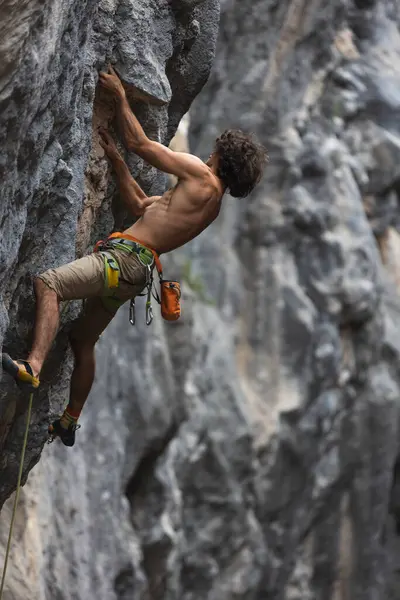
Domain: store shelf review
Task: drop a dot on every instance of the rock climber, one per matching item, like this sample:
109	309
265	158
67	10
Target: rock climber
164	223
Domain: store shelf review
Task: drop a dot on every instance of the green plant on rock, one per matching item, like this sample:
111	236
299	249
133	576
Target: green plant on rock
196	283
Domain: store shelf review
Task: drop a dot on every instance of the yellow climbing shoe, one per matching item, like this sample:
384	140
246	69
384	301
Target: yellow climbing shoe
23	377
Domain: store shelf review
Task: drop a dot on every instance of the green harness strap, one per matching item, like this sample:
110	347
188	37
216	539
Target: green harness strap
144	254
21	466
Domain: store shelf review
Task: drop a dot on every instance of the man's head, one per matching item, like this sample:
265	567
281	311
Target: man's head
241	161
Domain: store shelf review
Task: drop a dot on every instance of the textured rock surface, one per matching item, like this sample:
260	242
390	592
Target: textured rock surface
248	451
57	198
317	346
49	208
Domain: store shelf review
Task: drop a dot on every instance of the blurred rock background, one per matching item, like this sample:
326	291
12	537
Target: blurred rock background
249	451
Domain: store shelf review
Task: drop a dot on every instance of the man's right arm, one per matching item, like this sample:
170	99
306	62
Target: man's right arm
180	164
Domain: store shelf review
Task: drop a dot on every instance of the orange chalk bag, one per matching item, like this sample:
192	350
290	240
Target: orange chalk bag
170	300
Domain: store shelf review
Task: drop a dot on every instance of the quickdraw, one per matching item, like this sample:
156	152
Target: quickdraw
149	308
132	316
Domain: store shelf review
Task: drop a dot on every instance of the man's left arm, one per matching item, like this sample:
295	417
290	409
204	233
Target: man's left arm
132	194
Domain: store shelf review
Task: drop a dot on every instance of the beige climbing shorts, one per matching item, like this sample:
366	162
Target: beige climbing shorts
85	277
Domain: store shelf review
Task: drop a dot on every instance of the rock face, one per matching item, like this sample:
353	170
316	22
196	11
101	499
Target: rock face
248	451
58	195
52	210
317	316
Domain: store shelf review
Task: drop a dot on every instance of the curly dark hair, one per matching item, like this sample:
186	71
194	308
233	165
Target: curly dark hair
241	161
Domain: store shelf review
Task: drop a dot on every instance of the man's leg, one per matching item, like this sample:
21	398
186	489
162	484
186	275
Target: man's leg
46	324
98	313
82	376
45	330
83	337
79	279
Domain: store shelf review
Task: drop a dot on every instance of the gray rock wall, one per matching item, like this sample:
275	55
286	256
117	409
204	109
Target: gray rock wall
57	193
317	317
57	198
249	450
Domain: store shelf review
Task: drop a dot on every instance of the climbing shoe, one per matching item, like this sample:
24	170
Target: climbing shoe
67	436
23	377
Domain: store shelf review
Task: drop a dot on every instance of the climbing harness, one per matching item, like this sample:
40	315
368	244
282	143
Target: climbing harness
170	291
21	466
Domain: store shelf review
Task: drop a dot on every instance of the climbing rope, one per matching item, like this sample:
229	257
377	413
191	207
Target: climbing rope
21	465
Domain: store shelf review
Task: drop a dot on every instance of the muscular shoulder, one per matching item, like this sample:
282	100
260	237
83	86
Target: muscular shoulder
197	191
199	167
200	177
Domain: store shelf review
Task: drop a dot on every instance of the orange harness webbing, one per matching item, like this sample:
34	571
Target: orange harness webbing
126	236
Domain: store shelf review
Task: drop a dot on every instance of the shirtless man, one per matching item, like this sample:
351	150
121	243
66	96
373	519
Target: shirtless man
165	222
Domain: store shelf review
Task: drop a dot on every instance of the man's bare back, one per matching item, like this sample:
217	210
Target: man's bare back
180	214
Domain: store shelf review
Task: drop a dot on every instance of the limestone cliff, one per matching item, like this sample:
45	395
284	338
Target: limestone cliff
317	319
58	195
249	450
56	185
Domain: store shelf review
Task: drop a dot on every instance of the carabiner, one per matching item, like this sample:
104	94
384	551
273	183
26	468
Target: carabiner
149	313
132	316
149	308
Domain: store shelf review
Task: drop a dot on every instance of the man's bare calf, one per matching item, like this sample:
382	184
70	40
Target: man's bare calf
46	324
82	376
